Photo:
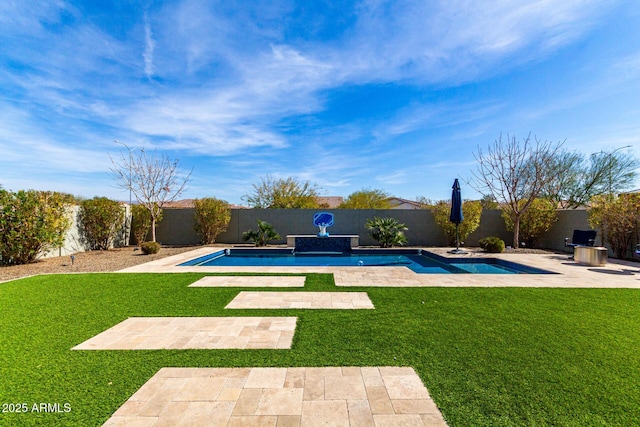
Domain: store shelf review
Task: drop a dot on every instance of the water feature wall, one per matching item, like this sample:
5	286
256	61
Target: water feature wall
340	244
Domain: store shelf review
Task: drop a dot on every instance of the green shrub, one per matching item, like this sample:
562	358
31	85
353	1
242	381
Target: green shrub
101	219
492	244
367	199
472	211
32	222
534	222
150	248
263	235
211	217
387	231
619	216
140	223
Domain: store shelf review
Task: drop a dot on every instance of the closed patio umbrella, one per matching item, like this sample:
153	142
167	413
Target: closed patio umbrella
456	216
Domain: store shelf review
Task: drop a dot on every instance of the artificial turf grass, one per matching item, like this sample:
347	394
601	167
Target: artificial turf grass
489	356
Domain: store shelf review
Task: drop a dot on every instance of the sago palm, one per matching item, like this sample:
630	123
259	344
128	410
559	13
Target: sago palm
387	231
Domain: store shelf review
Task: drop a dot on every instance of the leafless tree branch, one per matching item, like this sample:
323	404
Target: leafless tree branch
153	179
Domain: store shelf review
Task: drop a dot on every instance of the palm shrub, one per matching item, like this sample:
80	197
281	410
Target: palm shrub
263	235
101	219
141	222
32	222
472	211
387	231
211	217
535	220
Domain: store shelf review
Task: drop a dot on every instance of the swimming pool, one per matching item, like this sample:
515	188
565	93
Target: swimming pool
421	262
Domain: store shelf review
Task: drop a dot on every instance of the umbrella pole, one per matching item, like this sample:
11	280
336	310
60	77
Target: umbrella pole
457	250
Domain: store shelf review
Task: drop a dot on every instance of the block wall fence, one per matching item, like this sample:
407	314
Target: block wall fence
74	242
176	229
177	226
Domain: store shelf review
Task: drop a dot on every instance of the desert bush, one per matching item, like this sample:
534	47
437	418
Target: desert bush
387	231
367	199
101	219
141	223
492	244
618	218
149	248
211	217
535	221
471	210
283	193
32	222
263	235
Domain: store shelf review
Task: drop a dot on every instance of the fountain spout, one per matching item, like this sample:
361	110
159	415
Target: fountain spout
323	230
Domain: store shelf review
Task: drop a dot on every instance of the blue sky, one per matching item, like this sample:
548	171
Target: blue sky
392	95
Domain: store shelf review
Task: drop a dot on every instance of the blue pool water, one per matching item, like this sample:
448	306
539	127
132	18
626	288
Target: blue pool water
423	262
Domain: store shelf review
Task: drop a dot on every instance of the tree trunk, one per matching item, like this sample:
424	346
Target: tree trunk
516	231
153	229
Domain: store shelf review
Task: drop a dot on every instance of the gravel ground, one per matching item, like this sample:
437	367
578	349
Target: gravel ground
88	262
117	259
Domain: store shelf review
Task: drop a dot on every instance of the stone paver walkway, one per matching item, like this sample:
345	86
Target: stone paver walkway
155	333
329	396
250	282
329	300
333	396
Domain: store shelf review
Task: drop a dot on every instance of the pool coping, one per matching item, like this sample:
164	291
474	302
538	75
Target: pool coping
456	266
569	274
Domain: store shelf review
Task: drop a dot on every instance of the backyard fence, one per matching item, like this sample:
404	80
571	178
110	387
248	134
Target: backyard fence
74	240
177	227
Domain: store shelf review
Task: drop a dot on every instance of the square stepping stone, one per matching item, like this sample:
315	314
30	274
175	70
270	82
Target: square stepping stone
250	282
341	396
328	300
158	333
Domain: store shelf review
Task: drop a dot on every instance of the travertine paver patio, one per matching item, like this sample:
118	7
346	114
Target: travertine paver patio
154	333
328	396
250	282
615	274
313	300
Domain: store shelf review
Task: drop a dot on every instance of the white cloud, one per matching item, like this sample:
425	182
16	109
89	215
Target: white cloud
393	178
25	17
32	146
405	121
148	48
451	113
459	40
226	80
625	72
268	83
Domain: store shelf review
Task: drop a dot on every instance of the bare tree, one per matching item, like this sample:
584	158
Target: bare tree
514	174
153	179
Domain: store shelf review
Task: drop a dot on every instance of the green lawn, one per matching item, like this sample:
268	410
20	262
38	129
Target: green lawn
489	357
